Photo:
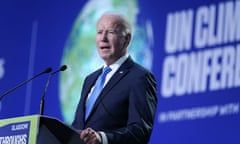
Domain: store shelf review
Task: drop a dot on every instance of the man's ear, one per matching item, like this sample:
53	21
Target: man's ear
128	39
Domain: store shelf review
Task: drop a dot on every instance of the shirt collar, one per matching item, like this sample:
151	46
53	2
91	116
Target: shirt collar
118	63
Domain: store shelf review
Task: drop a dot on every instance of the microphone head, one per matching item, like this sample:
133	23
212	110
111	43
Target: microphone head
63	68
47	70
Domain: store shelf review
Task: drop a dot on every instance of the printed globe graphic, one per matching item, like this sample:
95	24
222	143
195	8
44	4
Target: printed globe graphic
80	52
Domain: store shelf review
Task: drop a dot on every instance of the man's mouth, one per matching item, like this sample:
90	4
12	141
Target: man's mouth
105	47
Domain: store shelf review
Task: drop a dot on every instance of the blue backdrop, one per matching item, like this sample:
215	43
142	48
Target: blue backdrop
192	47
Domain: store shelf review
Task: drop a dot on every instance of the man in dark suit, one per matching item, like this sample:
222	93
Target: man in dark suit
123	111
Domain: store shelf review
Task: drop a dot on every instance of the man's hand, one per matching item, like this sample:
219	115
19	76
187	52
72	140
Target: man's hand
90	136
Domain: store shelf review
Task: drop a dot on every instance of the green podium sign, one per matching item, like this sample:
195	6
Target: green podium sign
36	129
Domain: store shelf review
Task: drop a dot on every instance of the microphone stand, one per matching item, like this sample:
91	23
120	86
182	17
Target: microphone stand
42	102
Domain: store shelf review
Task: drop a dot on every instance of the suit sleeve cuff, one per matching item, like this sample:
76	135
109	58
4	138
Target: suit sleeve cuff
104	137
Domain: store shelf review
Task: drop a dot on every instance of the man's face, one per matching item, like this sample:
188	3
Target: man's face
110	41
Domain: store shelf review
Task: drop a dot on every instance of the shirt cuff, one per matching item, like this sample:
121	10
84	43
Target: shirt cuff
104	137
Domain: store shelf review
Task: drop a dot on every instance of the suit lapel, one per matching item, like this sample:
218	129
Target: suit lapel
89	84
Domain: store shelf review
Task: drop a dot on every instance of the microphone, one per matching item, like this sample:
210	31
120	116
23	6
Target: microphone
47	70
42	102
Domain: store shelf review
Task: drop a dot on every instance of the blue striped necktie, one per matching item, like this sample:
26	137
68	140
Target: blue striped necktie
96	91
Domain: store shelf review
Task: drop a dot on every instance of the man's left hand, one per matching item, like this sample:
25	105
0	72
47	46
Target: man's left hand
90	136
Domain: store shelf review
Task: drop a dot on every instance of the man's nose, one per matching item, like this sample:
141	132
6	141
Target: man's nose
104	36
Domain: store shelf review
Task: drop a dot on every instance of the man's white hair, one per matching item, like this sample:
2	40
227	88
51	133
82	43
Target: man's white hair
124	22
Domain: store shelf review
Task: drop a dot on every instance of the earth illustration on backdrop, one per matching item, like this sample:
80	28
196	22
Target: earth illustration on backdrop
80	52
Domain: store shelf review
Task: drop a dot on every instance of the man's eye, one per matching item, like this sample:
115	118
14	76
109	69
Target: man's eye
111	32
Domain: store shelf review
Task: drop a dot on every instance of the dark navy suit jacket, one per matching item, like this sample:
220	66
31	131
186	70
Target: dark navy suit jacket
125	108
